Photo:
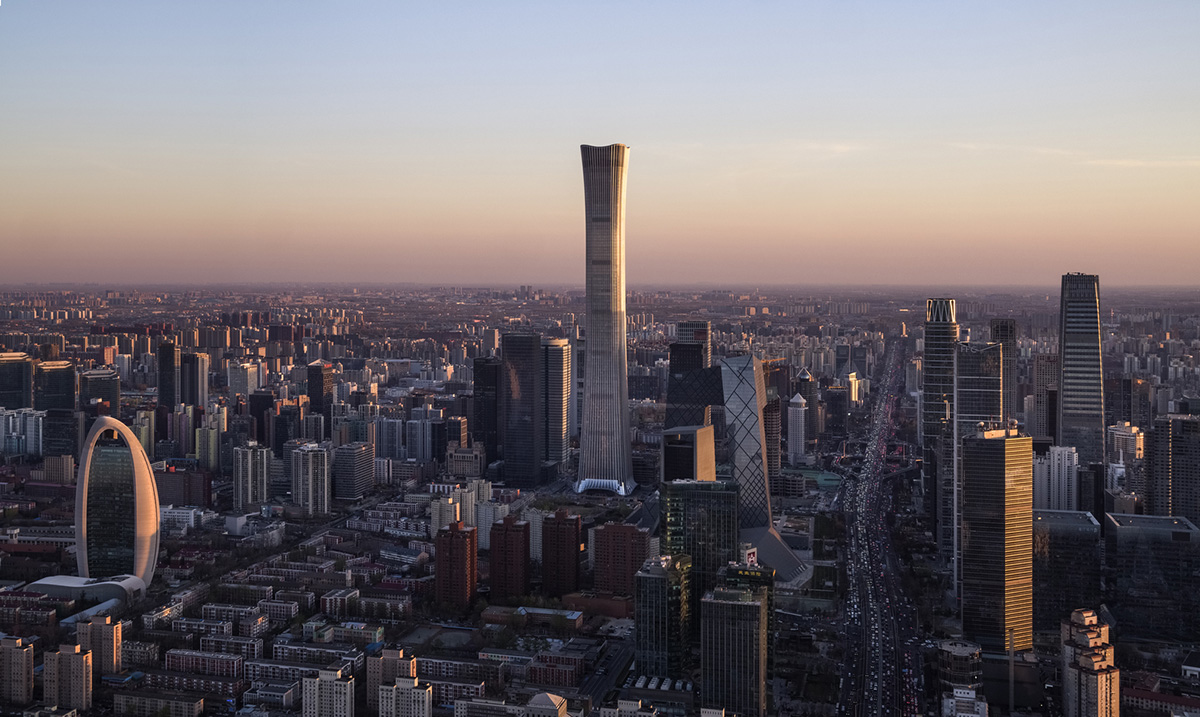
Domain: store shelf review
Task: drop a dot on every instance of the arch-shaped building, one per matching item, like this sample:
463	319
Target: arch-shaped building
116	505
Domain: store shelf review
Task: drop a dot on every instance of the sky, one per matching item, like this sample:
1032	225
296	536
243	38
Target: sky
771	143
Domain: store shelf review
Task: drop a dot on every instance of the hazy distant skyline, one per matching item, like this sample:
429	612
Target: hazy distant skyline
874	143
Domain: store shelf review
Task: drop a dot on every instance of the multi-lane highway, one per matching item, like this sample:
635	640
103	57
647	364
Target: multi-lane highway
882	672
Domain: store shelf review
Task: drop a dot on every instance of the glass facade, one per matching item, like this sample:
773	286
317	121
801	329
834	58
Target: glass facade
522	408
733	650
745	396
1081	385
662	617
937	412
700	519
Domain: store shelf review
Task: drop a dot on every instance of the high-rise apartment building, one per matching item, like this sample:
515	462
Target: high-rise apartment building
1056	479
193	379
997	535
562	538
556	398
1081	384
16	671
605	453
1091	680
251	476
734	641
937	416
67	678
311	477
101	635
510	571
456	571
619	551
116	505
329	694
384	668
662	616
1173	467
406	697
522	408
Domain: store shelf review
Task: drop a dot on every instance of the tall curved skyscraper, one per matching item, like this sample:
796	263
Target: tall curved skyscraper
116	505
605	456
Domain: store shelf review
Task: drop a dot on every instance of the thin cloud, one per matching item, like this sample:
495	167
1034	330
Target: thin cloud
1154	163
1020	148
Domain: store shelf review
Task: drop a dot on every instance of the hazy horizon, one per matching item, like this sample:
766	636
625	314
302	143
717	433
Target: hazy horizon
929	144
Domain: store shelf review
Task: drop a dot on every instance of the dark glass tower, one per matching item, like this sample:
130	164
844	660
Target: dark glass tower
54	385
700	519
168	375
1004	332
193	379
16	381
320	388
522	408
1081	386
103	384
485	428
662	607
937	416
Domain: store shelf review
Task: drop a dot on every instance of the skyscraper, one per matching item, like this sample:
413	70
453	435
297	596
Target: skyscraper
797	410
700	519
16	381
1173	467
116	505
997	539
168	375
1081	386
103	384
311	480
937	416
101	635
1066	565
1056	479
620	550
689	395
522	408
509	558
1046	375
562	535
605	454
54	385
455	573
1004	332
733	650
320	387
556	397
485	423
807	387
193	379
353	471
745	395
251	476
662	616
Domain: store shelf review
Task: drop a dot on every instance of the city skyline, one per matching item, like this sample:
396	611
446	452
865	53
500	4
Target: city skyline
910	139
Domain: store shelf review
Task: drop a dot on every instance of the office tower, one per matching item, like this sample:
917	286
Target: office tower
522	408
556	397
54	385
251	476
1081	387
689	453
1046	374
116	505
67	678
1004	332
353	471
406	697
959	664
745	394
562	538
662	615
168	374
1128	399
16	671
1066	564
748	574
1091	681
383	669
605	453
997	535
16	381
808	387
1151	564
978	398
797	409
619	551
62	431
485	423
329	694
320	387
193	379
457	431
1056	479
455	569
690	358
733	650
1173	467
311	477
103	384
101	635
509	558
773	433
837	412
937	414
700	519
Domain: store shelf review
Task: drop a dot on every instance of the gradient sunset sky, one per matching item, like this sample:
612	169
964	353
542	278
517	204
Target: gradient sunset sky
799	143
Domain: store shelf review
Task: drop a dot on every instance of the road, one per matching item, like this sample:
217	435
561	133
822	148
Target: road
882	670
